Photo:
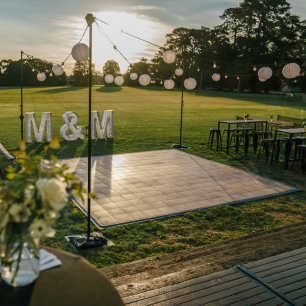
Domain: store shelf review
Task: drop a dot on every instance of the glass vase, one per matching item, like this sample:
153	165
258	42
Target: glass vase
19	259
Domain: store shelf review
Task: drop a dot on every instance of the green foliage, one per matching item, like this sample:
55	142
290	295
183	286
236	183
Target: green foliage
11	72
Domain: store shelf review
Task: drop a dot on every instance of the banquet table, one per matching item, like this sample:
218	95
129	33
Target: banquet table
291	133
236	122
76	282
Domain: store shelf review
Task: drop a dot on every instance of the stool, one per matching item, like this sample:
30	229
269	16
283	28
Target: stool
302	148
227	131
212	133
265	142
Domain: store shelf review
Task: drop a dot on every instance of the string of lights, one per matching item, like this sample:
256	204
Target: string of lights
200	57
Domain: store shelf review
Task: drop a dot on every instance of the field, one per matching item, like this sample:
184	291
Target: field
148	119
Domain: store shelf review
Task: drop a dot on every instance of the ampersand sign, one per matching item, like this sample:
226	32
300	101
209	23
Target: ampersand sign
71	119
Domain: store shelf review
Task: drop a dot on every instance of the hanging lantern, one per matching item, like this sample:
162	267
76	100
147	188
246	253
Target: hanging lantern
119	80
144	80
41	76
80	52
291	71
261	80
190	84
169	57
133	76
57	69
265	73
169	84
216	77
109	78
179	72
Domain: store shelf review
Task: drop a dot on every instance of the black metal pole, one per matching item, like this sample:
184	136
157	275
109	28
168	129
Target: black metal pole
182	105
21	91
90	20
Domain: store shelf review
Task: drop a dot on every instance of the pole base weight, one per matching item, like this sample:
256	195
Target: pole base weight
96	239
178	146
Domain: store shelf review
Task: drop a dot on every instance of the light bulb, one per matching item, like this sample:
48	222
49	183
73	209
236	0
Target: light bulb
25	61
226	76
161	82
237	77
156	70
33	69
215	66
50	73
198	69
254	68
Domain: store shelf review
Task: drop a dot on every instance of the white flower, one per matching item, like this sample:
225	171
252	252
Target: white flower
53	191
40	228
19	213
29	197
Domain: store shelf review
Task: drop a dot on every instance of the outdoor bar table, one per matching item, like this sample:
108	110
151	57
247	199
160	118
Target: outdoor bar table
238	122
291	132
74	283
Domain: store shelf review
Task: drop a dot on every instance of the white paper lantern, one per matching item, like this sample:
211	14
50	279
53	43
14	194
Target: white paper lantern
261	80
190	84
216	77
144	80
133	76
169	57
291	71
179	72
80	52
265	73
169	84
109	78
41	76
119	80
57	69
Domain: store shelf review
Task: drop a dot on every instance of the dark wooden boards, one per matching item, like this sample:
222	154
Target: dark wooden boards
285	273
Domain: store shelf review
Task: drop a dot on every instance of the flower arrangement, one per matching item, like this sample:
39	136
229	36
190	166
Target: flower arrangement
31	199
245	117
270	117
304	126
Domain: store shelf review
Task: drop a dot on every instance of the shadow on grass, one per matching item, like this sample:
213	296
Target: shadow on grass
60	90
288	100
107	89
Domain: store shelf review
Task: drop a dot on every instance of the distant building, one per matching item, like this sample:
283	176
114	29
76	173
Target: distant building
69	80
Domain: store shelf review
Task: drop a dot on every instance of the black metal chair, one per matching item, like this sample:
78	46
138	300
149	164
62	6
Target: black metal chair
212	133
267	143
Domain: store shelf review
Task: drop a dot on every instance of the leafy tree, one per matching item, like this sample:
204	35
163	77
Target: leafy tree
81	73
111	67
11	73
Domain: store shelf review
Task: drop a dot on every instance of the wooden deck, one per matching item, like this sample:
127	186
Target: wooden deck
277	280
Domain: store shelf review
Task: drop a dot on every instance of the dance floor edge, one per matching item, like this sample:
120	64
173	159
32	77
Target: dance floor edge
136	187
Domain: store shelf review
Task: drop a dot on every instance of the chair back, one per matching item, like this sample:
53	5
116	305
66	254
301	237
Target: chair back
297	121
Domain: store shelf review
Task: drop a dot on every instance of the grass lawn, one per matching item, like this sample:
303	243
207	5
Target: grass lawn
148	119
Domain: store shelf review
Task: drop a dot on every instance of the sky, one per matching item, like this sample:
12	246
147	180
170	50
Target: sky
49	29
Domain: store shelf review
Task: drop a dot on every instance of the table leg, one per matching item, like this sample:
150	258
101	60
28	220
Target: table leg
273	149
218	137
246	146
228	139
289	145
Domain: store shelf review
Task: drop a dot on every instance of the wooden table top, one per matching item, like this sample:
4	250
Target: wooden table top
242	121
292	131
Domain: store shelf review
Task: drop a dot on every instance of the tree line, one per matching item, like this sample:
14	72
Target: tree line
257	33
253	35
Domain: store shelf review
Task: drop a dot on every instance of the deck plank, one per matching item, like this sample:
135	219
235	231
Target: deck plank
275	258
192	282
